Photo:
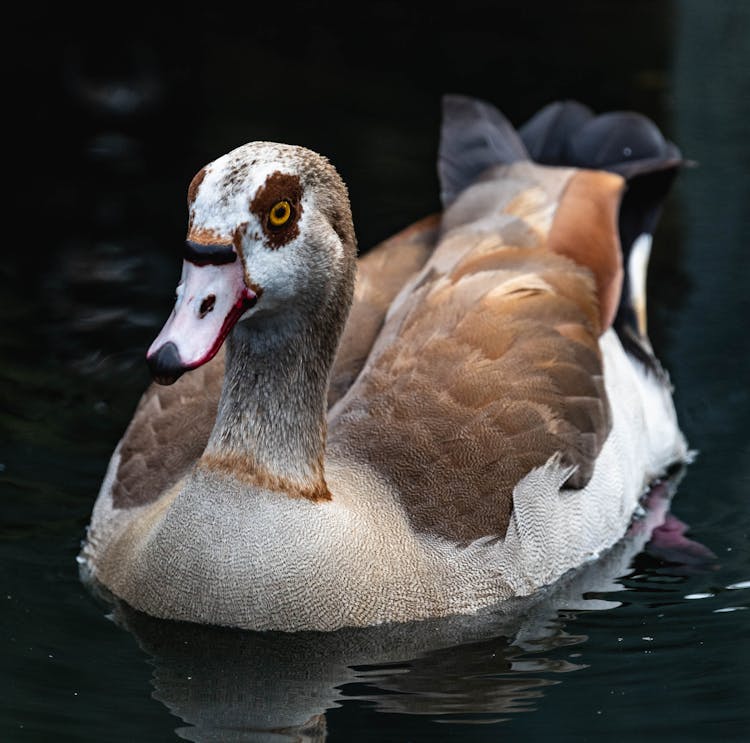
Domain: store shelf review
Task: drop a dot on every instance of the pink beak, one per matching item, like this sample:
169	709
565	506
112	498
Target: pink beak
211	298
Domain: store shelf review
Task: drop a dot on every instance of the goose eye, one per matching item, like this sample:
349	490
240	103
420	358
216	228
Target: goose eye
279	214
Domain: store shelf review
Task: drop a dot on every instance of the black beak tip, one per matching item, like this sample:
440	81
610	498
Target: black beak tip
165	365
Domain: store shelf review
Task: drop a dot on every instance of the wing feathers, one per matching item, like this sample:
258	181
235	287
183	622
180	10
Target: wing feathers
478	387
168	432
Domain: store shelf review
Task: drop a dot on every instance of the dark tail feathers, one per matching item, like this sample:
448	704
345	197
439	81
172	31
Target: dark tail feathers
475	136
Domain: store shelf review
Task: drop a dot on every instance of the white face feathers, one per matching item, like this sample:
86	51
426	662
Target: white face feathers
266	232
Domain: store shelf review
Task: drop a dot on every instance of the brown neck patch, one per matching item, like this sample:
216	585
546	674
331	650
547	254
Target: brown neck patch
585	229
278	187
243	467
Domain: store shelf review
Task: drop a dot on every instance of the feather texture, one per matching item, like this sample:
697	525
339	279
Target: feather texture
447	422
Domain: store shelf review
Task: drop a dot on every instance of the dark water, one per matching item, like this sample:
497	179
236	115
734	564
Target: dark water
110	118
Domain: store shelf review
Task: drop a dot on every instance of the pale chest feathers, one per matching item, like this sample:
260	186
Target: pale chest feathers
215	553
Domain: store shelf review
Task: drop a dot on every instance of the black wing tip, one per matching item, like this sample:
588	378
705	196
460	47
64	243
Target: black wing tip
569	133
545	133
475	135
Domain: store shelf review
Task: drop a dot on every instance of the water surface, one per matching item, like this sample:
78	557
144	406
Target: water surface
111	127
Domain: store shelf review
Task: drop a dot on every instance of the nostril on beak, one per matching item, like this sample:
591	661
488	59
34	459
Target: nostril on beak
207	305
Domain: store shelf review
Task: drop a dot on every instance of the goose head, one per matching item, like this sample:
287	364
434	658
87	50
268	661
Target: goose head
270	243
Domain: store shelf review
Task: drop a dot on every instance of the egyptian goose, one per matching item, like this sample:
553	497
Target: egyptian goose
462	415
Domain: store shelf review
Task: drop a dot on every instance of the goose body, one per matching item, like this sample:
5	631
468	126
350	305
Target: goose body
461	416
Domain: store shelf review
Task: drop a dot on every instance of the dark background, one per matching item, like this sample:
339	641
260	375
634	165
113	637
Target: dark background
109	111
118	107
157	91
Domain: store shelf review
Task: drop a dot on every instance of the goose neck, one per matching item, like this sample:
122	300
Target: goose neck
270	427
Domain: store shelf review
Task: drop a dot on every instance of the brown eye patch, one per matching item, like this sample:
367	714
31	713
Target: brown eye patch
277	204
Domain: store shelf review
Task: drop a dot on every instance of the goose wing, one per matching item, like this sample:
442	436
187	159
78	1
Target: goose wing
490	365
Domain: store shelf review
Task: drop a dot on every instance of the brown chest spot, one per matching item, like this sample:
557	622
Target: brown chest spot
246	469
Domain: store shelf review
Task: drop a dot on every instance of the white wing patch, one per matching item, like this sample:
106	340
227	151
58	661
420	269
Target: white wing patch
637	270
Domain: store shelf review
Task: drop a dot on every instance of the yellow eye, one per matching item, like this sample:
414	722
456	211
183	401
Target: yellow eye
280	213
